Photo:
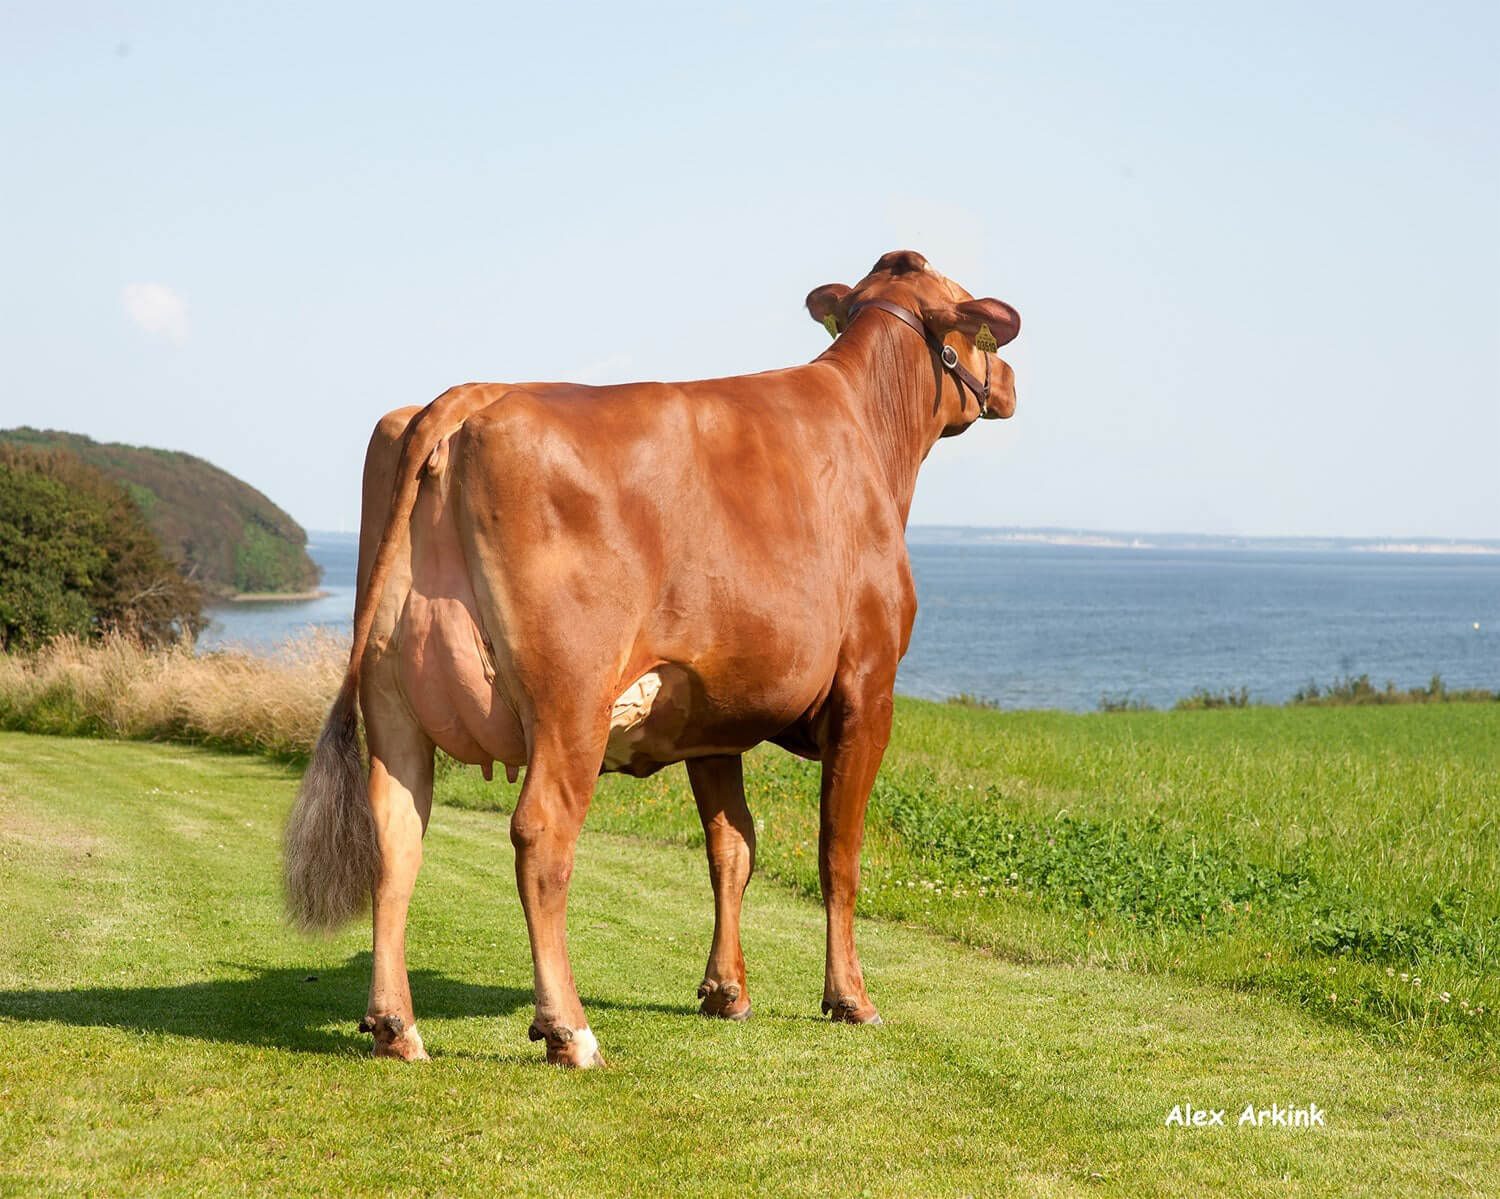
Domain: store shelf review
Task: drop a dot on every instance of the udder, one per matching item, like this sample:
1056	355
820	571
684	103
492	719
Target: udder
448	678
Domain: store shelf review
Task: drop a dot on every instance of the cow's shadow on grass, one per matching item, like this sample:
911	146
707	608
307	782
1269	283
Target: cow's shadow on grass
280	1008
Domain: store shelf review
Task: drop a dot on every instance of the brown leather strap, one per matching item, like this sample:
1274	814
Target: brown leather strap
947	355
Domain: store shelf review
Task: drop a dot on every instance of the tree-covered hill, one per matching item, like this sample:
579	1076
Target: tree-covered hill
77	559
223	533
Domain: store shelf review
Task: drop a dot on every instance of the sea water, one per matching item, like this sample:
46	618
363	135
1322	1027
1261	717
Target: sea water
1044	626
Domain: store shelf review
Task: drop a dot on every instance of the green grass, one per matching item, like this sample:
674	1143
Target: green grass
165	1034
1346	860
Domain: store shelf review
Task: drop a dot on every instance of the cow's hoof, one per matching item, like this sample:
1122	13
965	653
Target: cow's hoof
395	1038
723	1001
847	1009
570	1048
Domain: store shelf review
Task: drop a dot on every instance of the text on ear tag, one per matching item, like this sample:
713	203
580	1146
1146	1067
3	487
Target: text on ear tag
985	340
831	323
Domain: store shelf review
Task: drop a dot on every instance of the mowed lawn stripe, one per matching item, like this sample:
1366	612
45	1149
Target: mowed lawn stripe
161	1033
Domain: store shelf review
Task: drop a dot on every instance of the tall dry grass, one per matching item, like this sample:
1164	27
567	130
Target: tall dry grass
272	704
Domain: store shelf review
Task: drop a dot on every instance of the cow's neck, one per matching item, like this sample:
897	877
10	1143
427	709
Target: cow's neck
890	371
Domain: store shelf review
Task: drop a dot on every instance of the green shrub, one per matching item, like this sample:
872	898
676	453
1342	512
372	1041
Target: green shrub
1124	702
1359	690
78	560
967	699
1204	700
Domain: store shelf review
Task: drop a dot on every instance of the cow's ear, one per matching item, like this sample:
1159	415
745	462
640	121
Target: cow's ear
990	323
826	304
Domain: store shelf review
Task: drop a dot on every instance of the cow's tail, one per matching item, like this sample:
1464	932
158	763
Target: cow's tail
331	859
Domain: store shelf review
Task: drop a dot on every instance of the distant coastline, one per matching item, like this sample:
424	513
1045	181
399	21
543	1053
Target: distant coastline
271	597
1124	540
1425	547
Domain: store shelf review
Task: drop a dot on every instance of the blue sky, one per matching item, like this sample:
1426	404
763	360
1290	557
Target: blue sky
1255	247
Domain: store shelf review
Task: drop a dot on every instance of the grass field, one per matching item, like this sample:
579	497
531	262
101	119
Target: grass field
165	1034
1345	860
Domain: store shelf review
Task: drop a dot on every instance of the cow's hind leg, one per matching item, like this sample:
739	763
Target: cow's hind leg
560	777
400	802
729	834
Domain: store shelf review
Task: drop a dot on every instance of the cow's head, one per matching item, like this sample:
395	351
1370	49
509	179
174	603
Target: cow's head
950	315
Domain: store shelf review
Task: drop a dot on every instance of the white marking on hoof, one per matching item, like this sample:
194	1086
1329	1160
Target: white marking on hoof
407	1047
588	1048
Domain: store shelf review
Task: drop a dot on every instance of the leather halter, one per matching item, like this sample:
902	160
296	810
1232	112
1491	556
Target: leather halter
947	355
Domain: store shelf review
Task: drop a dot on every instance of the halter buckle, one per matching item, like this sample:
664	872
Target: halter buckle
950	357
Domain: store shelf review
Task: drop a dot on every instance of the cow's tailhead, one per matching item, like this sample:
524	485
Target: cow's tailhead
962	333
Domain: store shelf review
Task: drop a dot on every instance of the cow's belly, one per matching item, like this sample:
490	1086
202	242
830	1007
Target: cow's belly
665	714
673	712
660	718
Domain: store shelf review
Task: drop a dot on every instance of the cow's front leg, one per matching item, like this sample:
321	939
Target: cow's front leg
400	802
729	834
544	829
858	730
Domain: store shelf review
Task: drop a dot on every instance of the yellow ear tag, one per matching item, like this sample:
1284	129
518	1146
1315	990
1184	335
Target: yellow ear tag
985	340
831	323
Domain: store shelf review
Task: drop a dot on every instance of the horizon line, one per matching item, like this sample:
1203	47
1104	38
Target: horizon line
1087	537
